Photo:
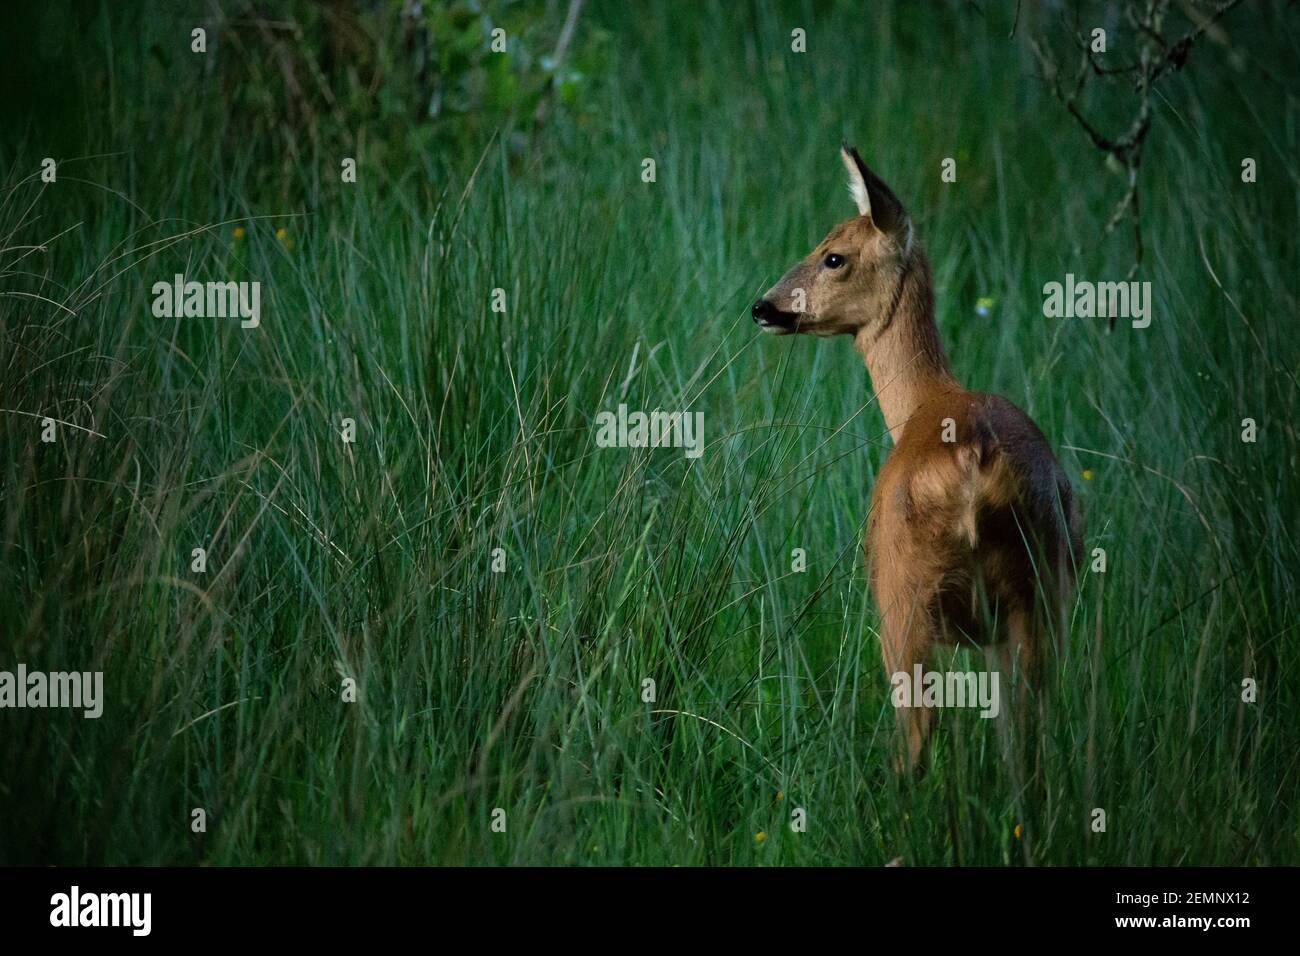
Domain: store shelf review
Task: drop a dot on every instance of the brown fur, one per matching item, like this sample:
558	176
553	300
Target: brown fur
973	540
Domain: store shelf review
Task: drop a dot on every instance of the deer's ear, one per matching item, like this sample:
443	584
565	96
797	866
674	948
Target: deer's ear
872	196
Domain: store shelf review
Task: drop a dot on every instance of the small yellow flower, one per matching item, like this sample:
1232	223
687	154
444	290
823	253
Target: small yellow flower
780	795
239	232
1087	474
280	233
1017	831
760	836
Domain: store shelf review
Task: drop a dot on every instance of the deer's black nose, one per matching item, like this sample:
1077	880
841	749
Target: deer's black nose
761	310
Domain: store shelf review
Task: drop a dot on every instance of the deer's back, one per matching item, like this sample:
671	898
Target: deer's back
988	515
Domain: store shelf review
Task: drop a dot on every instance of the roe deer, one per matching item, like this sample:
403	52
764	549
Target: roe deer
973	535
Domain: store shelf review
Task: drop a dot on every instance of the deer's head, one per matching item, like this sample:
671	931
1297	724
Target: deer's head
849	281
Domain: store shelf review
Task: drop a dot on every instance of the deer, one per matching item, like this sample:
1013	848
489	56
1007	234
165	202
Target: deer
973	537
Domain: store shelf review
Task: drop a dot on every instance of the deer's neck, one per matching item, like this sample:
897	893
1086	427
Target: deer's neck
903	353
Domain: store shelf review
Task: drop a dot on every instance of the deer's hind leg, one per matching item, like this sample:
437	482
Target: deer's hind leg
1023	652
907	633
1021	687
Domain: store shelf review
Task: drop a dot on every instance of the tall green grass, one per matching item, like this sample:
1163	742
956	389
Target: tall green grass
522	690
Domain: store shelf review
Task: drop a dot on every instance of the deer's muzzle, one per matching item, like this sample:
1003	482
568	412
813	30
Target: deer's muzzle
768	316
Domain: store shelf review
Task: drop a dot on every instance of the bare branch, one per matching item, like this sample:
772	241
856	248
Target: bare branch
1156	56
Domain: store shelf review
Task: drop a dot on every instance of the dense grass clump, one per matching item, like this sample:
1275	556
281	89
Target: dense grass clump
522	689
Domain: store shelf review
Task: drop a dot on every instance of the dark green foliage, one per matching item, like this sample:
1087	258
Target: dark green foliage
522	690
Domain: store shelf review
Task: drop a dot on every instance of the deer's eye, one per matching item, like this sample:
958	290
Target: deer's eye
833	261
